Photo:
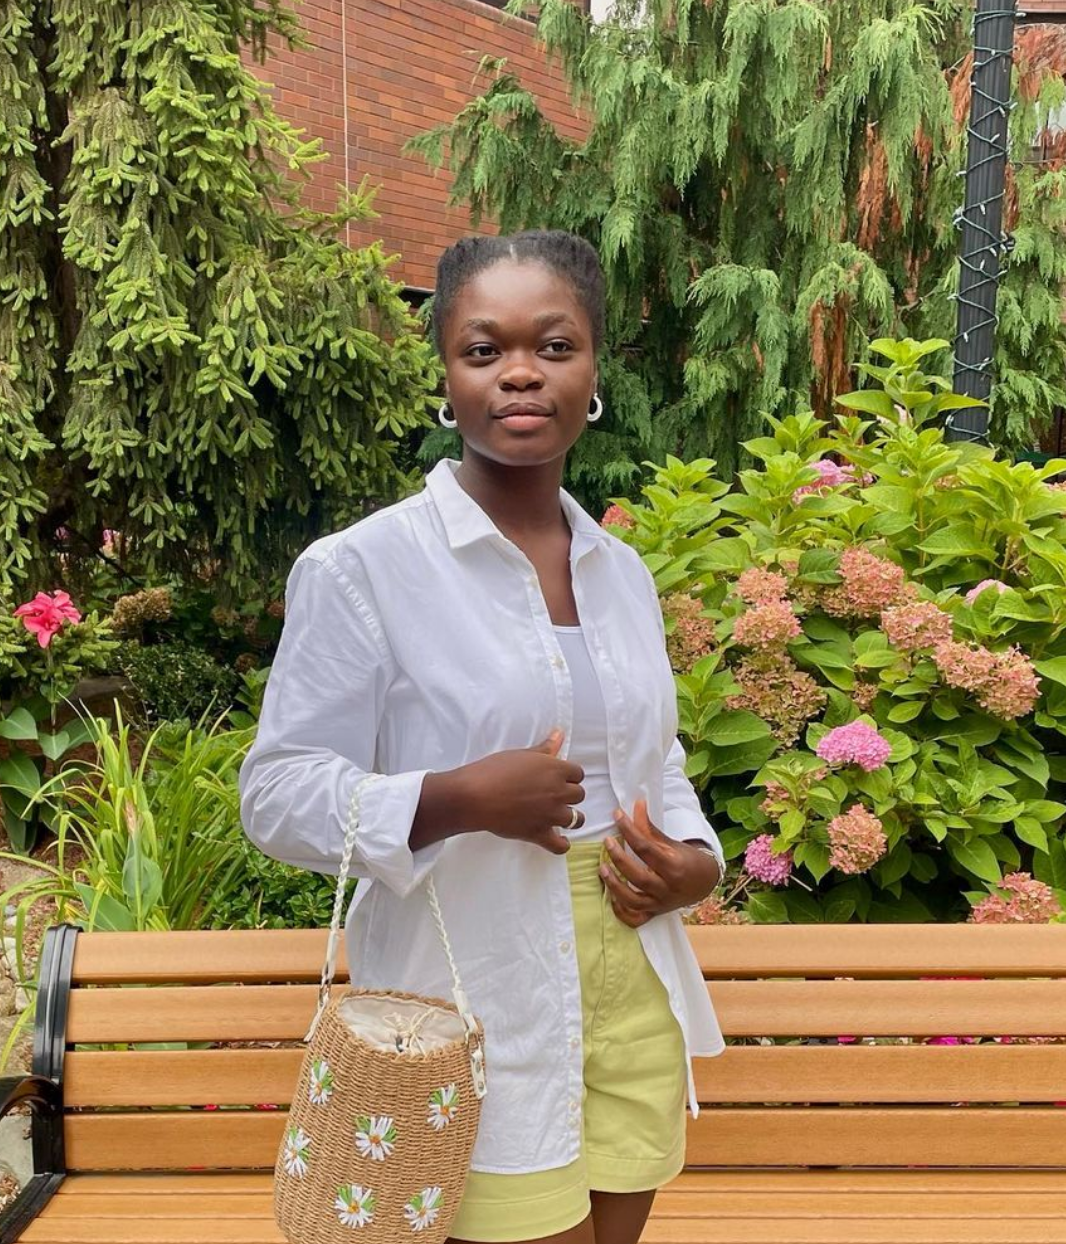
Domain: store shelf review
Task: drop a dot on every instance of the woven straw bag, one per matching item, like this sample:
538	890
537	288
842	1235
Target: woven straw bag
386	1108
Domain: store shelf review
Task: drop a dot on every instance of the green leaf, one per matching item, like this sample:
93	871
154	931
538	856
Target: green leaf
955	541
54	745
735	726
870	401
103	911
18	724
906	710
978	857
1054	669
19	771
802	907
814	856
744	758
767	908
1032	832
819	566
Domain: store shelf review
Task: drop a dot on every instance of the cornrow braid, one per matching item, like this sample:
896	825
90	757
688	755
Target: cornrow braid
566	254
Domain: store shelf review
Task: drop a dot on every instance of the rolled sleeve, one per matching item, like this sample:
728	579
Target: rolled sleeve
317	739
683	818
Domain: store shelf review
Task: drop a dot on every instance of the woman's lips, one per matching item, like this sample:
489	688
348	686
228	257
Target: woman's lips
520	418
523	421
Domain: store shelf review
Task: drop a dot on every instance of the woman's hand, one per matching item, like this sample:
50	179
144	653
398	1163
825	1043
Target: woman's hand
664	875
525	793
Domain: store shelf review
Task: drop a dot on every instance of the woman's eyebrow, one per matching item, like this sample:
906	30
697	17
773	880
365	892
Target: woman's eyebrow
546	319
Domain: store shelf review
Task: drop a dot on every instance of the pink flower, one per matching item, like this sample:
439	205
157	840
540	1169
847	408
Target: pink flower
761	587
974	592
870	585
831	476
918	625
1019	899
692	634
615	516
856	840
46	615
856	743
1005	683
767	626
762	863
774	688
713	910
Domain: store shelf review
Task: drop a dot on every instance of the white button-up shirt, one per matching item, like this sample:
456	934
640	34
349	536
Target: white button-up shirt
418	640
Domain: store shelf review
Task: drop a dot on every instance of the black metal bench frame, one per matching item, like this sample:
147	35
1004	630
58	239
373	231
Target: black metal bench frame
42	1089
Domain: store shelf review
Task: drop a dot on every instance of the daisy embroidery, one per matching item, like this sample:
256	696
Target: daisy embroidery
297	1151
443	1107
423	1208
321	1088
375	1136
354	1205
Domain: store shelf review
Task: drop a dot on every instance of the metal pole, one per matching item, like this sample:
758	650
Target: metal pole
981	218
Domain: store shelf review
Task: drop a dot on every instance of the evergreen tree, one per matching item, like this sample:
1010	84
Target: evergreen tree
186	356
769	183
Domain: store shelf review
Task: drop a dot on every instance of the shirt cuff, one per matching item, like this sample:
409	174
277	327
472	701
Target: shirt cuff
684	825
387	810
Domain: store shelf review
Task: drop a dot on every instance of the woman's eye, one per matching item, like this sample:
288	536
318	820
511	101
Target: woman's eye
481	351
558	347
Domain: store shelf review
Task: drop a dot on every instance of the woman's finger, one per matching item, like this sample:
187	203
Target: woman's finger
634	919
634	870
622	892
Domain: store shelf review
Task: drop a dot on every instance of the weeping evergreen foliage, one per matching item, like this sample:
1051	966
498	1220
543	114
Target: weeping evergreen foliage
769	183
185	355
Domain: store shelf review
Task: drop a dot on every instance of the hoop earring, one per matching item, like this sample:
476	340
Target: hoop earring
443	415
596	409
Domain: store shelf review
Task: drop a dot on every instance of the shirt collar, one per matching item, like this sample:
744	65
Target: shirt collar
466	522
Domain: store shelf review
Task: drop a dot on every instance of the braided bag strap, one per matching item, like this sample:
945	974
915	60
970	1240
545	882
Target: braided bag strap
477	1053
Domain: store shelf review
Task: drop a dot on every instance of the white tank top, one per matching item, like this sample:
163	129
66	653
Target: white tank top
588	739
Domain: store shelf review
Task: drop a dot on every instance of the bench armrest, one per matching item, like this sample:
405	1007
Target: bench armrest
41	1093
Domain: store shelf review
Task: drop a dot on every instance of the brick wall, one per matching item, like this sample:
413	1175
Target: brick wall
411	65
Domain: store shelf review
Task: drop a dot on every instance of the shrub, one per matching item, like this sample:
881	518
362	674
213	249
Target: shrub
175	680
872	685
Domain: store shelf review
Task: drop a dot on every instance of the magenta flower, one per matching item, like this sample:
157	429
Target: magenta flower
856	743
974	592
46	615
763	864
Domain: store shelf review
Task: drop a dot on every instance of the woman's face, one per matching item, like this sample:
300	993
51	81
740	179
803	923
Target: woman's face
520	366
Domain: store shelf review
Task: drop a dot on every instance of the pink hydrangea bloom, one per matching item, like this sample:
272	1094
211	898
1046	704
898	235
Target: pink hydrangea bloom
714	910
46	615
774	688
1005	683
615	516
856	743
761	587
856	840
916	626
870	585
763	864
831	475
1020	899
767	626
974	592
1014	689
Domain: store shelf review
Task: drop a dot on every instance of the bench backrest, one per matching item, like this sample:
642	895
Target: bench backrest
780	1095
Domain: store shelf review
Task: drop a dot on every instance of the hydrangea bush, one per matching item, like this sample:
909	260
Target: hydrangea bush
869	638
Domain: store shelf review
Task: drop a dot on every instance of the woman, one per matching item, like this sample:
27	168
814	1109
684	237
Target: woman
501	659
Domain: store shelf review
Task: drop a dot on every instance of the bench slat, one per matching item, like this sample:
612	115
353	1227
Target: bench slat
826	1183
988	1073
204	956
749	951
721	1135
882	1008
880	950
1026	1230
896	1136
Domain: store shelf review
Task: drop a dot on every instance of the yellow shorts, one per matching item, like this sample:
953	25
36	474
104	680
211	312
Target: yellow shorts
633	1135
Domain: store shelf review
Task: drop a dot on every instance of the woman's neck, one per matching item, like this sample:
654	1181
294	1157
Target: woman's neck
522	501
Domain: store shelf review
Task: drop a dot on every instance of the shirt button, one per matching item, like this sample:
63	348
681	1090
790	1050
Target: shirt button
573	1106
557	661
564	947
575	1042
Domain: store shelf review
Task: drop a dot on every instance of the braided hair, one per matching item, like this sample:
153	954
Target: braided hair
566	254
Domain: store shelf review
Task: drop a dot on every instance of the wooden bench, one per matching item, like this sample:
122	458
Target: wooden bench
800	1141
